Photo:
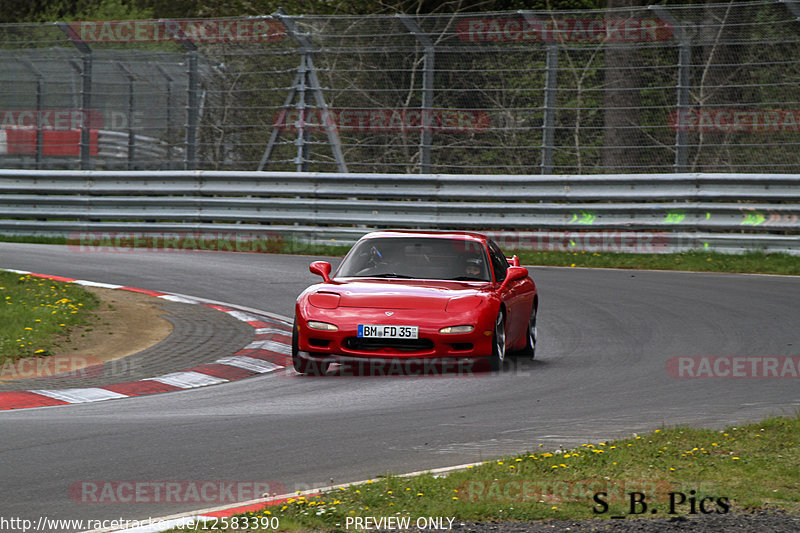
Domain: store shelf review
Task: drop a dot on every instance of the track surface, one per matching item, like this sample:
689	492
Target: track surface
605	337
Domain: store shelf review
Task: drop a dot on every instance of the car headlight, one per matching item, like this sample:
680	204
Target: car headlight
449	330
322	326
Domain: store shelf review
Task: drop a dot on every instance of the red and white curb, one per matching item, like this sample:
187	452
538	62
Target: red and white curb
269	351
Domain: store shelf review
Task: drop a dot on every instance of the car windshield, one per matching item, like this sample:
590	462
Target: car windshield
417	258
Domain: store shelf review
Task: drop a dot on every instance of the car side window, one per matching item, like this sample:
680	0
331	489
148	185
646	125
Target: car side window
499	263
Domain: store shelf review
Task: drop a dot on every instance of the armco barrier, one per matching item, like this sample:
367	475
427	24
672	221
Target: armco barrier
644	212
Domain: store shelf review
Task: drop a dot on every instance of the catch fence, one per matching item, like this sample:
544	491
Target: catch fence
711	87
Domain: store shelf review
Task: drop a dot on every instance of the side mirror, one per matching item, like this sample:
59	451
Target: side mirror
514	273
321	268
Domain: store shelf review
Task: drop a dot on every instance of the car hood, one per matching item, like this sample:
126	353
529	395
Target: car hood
401	294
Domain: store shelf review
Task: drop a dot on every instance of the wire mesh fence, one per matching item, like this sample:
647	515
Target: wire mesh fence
711	87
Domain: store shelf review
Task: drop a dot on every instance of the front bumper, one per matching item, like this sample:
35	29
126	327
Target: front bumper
430	344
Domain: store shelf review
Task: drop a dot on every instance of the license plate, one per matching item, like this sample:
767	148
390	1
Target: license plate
387	332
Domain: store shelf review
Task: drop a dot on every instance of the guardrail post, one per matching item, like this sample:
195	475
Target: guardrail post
682	108
428	71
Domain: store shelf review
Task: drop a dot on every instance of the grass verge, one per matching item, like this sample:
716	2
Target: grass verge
37	313
670	472
752	262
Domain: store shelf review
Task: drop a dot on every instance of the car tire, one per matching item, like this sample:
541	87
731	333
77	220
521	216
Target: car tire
303	365
531	334
498	358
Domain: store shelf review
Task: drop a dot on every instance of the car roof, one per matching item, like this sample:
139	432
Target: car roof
460	235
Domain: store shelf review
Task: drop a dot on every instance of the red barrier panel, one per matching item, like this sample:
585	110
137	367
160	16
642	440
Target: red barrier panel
22	141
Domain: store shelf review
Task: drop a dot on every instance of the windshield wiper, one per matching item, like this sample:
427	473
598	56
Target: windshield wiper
466	278
390	275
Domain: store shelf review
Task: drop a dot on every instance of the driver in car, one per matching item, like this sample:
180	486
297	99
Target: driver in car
473	268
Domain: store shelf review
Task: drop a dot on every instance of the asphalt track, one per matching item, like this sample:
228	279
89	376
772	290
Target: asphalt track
600	373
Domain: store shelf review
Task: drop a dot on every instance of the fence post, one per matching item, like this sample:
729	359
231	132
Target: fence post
39	104
793	7
682	107
549	119
168	99
192	112
86	92
131	133
428	71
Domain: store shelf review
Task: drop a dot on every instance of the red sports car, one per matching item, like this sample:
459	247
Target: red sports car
401	300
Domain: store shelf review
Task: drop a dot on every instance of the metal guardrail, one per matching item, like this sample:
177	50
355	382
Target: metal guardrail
645	213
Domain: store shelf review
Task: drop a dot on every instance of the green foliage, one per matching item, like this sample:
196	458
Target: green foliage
64	10
35	313
53	10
